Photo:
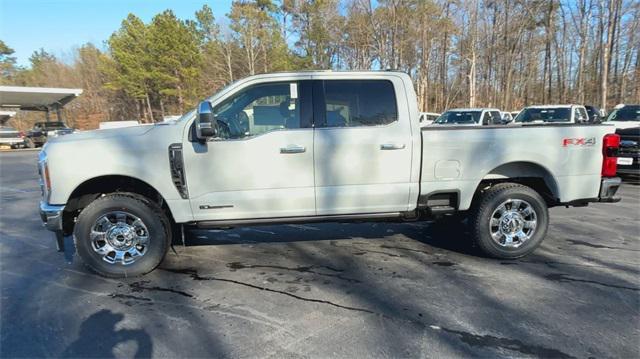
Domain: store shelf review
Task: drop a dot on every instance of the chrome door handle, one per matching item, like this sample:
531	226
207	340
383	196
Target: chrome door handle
392	146
293	149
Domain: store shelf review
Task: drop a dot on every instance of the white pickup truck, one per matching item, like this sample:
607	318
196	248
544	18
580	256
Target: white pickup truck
307	147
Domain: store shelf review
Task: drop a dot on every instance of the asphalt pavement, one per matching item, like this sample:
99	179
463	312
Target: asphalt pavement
325	290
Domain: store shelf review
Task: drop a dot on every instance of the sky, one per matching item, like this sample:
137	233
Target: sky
59	26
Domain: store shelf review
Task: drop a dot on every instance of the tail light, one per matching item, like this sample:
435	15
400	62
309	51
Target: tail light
610	145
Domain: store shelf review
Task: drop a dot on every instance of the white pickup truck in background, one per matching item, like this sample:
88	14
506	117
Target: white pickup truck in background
314	146
470	117
553	114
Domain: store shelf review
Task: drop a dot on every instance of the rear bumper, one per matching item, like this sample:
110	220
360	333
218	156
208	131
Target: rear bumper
608	188
51	216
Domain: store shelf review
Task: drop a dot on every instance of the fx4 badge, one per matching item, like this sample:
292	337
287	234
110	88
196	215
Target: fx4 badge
578	141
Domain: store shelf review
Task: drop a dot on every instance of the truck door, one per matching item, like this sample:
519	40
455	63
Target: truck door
362	147
261	165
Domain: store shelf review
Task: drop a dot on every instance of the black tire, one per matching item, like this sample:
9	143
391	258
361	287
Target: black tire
154	219
488	201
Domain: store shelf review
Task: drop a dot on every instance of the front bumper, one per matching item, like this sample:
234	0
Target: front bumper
51	216
608	189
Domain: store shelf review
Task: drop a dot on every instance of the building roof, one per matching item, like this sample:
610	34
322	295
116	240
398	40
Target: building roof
35	98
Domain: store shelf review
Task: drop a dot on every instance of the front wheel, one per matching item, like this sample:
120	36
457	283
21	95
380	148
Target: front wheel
122	235
509	221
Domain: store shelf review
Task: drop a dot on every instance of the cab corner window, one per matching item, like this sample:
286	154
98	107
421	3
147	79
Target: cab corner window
258	109
357	103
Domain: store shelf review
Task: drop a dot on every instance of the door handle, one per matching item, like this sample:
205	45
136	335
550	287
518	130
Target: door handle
293	149
392	146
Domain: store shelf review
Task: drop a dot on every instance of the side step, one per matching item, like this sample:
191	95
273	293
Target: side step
305	219
440	210
437	204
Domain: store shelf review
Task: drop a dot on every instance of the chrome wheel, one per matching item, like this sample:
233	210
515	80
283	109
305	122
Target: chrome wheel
513	223
119	237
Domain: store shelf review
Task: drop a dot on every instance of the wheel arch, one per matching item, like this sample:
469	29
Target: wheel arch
530	174
95	187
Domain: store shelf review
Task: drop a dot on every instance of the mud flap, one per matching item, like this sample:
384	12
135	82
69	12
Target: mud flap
59	241
65	245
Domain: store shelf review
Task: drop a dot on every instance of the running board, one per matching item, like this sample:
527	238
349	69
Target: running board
305	219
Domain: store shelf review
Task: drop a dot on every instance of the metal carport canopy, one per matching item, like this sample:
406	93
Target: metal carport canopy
36	98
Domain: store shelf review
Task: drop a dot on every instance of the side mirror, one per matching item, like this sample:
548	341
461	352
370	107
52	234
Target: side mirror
206	125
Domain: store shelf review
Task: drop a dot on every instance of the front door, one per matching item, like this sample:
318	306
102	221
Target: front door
262	163
362	148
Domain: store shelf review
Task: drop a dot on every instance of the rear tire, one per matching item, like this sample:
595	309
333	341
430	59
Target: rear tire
509	220
122	235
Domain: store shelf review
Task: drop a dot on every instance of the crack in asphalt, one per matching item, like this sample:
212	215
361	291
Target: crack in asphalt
305	269
195	276
128	296
406	249
576	242
561	277
140	286
490	341
487	341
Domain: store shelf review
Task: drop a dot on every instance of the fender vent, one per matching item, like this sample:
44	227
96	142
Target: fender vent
177	169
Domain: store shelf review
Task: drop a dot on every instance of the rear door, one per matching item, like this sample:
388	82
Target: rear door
362	147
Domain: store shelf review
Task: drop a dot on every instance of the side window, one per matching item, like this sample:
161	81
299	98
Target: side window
495	118
357	103
486	119
259	109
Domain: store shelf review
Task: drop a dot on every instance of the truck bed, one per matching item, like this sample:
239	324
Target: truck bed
568	158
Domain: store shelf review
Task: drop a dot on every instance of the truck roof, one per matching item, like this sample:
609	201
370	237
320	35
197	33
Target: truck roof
552	106
475	109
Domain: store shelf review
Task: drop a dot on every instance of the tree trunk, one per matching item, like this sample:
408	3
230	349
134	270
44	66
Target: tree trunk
151	120
605	54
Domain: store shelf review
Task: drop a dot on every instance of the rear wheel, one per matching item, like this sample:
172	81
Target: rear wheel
122	235
509	221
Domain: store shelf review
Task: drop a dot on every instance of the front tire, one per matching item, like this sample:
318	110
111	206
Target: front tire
122	235
509	220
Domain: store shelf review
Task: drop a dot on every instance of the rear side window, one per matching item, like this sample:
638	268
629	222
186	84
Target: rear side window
627	113
358	103
559	114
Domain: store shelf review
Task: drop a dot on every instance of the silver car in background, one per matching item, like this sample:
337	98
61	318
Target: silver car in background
9	136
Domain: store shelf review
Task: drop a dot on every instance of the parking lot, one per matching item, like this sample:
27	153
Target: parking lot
339	290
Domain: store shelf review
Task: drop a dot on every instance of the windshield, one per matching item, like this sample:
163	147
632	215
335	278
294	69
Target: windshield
560	114
627	113
459	117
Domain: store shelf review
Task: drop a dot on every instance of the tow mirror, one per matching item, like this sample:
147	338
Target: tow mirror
206	125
